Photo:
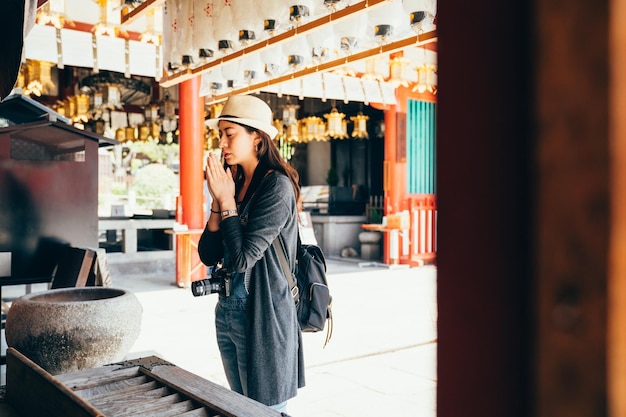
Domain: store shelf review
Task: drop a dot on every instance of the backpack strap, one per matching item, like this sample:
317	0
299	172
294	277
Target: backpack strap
280	250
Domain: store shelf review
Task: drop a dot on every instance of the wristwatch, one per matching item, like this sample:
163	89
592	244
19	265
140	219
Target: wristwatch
228	213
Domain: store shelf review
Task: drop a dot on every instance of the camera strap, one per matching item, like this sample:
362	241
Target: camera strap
280	250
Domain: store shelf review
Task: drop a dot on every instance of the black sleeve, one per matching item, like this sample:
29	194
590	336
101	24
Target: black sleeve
210	247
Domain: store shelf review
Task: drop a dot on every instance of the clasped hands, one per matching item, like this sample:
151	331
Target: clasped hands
219	181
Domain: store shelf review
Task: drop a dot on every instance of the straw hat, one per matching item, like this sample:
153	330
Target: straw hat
246	110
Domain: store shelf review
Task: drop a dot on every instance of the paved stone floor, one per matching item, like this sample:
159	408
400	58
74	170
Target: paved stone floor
381	359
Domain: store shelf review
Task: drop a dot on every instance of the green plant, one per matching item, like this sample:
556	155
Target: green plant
154	152
375	215
118	188
151	183
332	178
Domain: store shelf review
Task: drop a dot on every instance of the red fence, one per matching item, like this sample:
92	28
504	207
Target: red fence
423	232
415	242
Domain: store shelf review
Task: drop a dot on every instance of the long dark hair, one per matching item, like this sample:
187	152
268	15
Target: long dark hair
270	158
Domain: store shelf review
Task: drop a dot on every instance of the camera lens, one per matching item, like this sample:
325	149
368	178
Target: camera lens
199	288
215	284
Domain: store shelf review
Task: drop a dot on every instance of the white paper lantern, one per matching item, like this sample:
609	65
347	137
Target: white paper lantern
300	11
247	21
274	61
204	43
225	31
186	18
233	74
171	34
349	33
334	5
212	83
387	22
275	16
428	6
253	69
297	52
421	14
323	45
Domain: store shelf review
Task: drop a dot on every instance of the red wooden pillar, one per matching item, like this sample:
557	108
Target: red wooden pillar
191	142
388	173
394	181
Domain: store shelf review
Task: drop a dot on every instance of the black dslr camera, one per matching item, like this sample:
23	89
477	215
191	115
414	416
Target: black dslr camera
220	282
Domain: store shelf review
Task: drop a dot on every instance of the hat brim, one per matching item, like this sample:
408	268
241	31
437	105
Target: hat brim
267	128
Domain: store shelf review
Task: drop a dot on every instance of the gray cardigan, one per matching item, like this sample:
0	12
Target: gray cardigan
275	356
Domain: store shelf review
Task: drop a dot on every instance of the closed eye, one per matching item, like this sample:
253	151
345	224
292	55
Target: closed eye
229	132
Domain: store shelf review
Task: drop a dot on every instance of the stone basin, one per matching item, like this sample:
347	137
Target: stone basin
71	329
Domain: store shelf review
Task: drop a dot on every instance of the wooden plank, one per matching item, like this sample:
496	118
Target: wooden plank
184	408
129	385
102	272
136	406
199	412
160	408
176	409
224	401
217	398
144	387
119	389
85	268
74	267
135	397
128	15
33	392
94	377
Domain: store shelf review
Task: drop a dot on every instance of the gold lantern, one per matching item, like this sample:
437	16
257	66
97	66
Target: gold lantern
399	72
130	133
278	124
425	79
312	129
293	132
360	126
335	128
82	109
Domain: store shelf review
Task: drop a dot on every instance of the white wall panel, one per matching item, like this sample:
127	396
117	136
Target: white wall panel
110	54
143	60
77	49
40	44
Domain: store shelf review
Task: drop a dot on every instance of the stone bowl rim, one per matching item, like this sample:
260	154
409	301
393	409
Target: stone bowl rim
55	296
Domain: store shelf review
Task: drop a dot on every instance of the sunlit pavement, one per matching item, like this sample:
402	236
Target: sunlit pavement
381	360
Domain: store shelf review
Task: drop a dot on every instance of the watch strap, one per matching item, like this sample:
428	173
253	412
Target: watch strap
228	213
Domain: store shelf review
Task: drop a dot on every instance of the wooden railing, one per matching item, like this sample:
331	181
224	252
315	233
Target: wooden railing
423	228
412	237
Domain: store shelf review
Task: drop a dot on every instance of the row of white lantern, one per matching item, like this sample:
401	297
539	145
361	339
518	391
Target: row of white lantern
199	31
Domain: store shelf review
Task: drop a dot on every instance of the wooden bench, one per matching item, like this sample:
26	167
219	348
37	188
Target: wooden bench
147	386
